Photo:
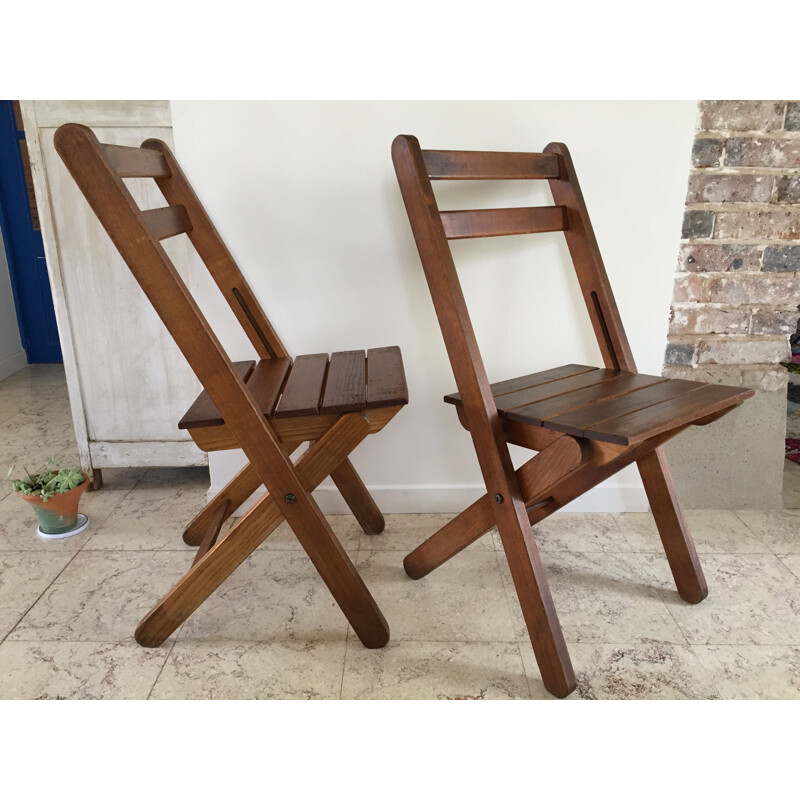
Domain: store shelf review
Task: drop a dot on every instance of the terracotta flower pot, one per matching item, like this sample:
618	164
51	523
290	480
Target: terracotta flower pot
59	513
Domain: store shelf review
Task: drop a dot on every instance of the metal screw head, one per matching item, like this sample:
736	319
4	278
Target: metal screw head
498	498
290	498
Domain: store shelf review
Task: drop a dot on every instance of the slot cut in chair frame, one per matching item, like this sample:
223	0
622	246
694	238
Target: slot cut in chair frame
531	411
238	417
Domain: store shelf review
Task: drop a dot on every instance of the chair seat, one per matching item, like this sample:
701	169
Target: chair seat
610	405
312	385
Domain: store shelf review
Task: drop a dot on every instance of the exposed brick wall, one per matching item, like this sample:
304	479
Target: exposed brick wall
738	283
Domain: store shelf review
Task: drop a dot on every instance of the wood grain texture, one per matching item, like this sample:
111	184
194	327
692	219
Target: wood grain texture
345	386
484	423
266	381
136	162
386	378
477	165
303	391
166	222
502	222
203	412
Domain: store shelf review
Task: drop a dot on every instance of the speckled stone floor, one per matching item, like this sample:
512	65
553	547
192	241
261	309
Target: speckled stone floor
68	608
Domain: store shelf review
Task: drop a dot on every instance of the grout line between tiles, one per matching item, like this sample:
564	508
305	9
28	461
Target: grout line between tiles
164	664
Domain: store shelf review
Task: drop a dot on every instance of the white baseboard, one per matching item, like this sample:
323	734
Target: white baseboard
13	363
452	499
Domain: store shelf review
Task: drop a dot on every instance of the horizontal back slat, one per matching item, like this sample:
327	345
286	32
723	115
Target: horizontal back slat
136	162
166	222
477	165
503	221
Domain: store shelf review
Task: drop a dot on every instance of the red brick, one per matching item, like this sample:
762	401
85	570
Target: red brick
701	318
773	289
742	115
705	188
762	152
771	321
778	225
688	289
719	258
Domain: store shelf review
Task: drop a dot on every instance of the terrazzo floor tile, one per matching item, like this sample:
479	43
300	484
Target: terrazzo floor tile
463	600
711	531
101	596
405	532
752	599
273	596
792	563
78	670
600	597
648	670
345	527
303	670
762	672
23	578
578	533
149	519
779	530
435	671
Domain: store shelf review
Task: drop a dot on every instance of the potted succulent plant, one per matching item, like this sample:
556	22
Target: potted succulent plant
54	494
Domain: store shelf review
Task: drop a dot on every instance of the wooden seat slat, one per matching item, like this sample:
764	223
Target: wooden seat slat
555	388
592	396
676	412
386	378
345	387
266	381
301	395
203	412
578	421
526	381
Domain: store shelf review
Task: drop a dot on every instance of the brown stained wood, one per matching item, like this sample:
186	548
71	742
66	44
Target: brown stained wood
475	165
560	387
502	222
681	410
483	420
624	383
358	498
579	421
568	401
526	381
266	381
216	256
203	412
386	378
303	391
212	532
136	162
166	222
536	476
238	489
288	430
288	487
345	387
326	553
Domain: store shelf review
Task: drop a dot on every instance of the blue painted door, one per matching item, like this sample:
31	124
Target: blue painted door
23	241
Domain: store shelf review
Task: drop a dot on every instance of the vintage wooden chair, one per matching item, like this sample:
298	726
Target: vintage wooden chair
267	408
587	423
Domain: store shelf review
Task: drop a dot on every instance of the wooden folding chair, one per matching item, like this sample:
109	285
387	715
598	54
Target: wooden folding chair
586	423
267	408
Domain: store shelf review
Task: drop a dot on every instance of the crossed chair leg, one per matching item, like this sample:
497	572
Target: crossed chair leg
218	559
561	472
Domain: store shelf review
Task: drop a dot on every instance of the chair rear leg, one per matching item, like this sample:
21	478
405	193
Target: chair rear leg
358	498
678	545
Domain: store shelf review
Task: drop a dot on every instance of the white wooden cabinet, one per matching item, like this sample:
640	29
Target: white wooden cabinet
128	383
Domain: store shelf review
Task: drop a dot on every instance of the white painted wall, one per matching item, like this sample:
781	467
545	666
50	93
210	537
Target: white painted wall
12	355
306	197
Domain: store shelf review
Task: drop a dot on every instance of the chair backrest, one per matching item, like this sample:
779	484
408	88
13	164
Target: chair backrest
433	228
99	170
